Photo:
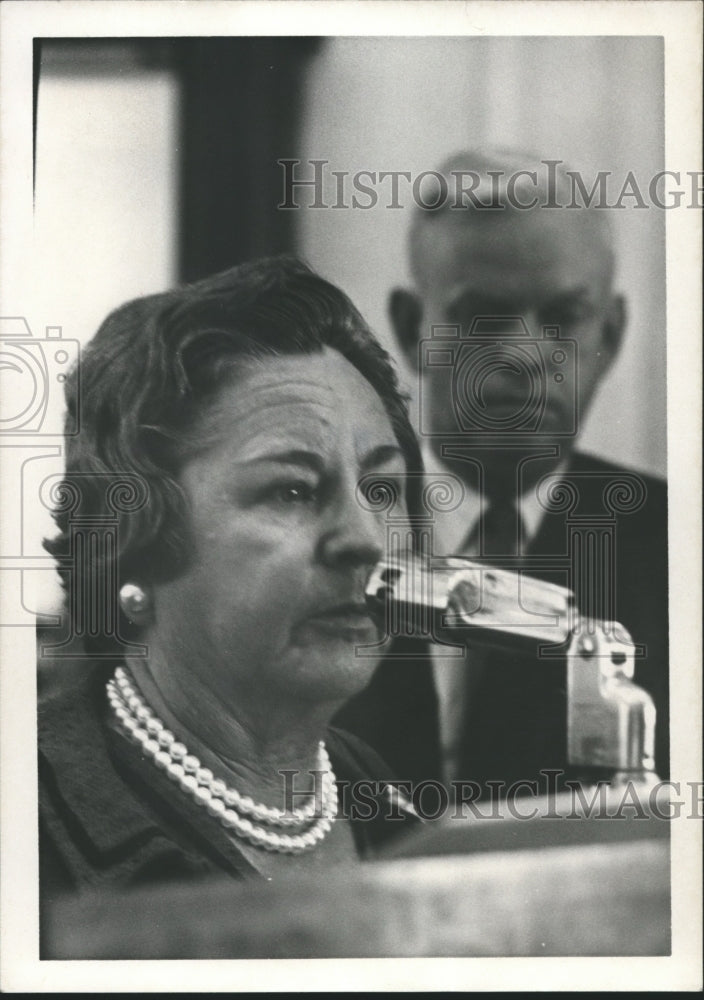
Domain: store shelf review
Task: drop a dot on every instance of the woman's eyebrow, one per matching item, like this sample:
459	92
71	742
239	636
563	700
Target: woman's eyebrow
290	456
380	455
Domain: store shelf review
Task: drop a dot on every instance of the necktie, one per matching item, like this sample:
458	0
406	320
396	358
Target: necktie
499	531
499	534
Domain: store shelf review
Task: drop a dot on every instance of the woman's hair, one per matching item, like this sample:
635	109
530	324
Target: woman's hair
149	374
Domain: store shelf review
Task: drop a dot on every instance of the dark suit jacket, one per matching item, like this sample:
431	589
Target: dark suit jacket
517	722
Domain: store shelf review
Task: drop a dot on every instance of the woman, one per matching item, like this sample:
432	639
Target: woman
247	406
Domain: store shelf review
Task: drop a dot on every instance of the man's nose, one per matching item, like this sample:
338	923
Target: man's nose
510	343
352	536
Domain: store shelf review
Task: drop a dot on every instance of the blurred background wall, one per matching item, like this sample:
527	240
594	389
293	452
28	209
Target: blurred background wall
106	209
156	161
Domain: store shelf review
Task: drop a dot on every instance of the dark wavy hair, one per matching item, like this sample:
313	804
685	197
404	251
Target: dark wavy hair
152	369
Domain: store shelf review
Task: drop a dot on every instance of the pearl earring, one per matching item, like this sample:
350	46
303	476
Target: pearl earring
133	601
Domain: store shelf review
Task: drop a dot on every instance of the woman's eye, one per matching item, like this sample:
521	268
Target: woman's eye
294	493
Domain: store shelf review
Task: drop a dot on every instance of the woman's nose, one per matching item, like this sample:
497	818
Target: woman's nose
353	536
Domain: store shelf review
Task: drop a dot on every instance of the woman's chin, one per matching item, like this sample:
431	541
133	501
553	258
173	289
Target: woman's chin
333	671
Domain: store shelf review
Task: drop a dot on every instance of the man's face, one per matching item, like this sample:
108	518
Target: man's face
551	268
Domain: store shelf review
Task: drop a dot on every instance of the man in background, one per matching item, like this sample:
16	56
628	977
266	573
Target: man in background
512	325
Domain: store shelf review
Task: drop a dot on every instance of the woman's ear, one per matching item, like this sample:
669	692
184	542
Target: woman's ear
406	314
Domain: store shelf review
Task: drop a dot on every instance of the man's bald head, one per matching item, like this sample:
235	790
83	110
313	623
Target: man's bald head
494	247
483	185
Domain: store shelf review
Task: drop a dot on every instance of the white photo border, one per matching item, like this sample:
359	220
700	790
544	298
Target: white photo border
679	23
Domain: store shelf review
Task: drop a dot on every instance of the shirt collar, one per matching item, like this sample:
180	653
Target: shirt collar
453	527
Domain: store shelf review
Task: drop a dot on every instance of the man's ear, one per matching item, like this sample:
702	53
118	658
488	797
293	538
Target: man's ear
615	325
406	314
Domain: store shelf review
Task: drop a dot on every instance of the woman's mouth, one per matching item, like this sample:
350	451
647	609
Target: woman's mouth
350	619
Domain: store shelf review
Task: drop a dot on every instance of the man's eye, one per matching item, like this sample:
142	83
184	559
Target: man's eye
568	316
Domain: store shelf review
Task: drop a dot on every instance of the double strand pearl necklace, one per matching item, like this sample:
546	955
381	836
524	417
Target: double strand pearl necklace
222	802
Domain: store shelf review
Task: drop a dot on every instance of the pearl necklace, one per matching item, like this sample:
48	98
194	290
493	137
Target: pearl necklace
220	801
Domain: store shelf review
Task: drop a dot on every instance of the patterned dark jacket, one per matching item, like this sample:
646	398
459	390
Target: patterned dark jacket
109	820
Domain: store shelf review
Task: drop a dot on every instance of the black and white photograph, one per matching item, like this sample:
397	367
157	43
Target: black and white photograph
351	495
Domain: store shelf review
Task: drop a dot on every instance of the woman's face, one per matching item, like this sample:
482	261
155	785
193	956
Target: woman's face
272	603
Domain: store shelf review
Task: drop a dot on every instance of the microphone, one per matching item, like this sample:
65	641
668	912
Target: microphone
610	719
461	599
